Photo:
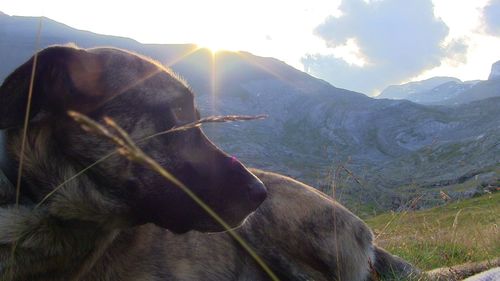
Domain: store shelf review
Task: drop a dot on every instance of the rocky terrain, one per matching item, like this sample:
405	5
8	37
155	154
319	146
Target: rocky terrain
443	94
495	71
446	90
382	153
404	91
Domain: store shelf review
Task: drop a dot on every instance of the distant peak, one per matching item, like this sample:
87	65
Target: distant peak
495	71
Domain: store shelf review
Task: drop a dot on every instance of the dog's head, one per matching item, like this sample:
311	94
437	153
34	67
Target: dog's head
143	98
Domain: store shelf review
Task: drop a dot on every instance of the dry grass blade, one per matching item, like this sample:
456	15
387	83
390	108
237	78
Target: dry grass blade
91	126
26	116
23	140
356	179
210	119
72	178
130	150
454	231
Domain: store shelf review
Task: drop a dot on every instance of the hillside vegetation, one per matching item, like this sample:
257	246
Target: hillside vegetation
460	232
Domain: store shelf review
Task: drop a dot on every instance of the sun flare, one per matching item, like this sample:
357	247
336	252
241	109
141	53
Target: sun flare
217	43
214	47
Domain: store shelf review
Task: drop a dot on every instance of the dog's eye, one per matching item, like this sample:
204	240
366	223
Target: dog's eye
179	114
183	115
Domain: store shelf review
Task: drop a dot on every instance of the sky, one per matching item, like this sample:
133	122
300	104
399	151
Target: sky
361	45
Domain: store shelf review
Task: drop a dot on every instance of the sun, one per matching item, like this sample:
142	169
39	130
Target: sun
217	44
214	47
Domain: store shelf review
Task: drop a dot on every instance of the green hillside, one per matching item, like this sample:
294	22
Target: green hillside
460	232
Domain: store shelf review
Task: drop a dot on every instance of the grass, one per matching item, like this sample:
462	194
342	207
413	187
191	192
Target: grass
460	232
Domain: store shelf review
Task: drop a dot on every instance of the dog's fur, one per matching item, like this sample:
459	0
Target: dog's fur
97	226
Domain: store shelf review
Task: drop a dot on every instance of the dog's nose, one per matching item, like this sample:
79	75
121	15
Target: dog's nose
257	191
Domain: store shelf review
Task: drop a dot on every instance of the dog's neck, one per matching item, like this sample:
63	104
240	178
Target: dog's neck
64	237
33	243
9	176
6	165
66	234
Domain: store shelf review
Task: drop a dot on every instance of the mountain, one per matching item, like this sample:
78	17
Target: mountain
482	89
18	41
404	91
495	71
376	151
446	90
443	93
479	91
434	91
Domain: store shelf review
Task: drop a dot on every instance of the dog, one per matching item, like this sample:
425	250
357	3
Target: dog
121	221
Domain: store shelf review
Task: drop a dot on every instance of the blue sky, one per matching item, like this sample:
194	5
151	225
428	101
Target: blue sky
362	45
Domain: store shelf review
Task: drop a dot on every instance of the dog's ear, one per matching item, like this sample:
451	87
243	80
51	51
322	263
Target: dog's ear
64	78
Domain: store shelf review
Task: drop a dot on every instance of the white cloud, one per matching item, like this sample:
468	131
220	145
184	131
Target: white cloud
397	39
491	16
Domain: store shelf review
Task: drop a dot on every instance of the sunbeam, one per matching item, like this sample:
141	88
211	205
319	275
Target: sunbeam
185	54
213	83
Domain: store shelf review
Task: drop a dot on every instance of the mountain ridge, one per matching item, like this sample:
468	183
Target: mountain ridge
495	71
313	128
402	91
446	90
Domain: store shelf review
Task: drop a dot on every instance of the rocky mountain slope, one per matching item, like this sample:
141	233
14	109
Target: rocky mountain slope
406	90
481	90
377	151
495	71
443	93
446	90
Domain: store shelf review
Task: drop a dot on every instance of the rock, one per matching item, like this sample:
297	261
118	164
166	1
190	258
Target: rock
495	71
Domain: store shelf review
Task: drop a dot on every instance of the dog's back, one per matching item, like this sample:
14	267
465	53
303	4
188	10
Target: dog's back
300	233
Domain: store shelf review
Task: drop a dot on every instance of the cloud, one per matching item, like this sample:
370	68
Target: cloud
456	51
398	40
491	17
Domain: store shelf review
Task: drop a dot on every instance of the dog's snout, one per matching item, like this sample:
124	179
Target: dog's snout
257	192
